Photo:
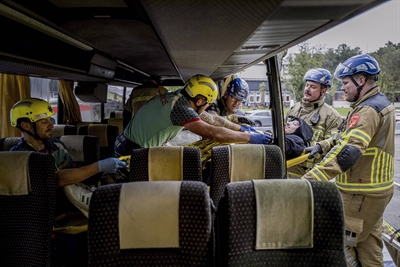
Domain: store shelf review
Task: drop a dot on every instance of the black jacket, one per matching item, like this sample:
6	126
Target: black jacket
297	141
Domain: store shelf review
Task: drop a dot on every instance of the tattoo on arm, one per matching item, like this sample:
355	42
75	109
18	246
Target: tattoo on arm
217	120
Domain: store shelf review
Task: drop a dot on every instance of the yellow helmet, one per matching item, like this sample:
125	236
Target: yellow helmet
31	108
202	85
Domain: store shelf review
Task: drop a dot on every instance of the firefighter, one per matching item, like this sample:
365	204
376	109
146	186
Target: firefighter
324	119
170	113
228	105
361	157
141	94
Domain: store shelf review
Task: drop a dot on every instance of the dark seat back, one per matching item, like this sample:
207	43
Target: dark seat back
186	159
222	163
116	122
83	149
106	134
27	220
194	229
63	129
236	227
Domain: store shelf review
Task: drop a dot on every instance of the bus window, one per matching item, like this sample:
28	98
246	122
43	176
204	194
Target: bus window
46	89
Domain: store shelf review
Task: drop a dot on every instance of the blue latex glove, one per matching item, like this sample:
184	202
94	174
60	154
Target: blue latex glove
110	165
314	150
260	139
247	129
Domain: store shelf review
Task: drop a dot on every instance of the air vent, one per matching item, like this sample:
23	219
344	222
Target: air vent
250	47
259	47
270	47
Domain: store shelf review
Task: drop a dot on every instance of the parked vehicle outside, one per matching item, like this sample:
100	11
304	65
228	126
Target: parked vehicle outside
260	117
240	112
397	112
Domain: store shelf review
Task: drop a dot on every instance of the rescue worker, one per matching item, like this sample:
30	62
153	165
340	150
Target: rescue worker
227	106
140	95
324	119
164	116
361	157
32	117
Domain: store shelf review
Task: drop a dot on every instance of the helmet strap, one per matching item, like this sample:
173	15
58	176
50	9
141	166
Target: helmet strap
359	87
34	134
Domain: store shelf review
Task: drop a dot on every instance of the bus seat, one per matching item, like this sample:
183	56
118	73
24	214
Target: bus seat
106	134
116	114
83	149
280	222
8	142
115	121
63	129
27	220
177	232
83	123
165	163
234	163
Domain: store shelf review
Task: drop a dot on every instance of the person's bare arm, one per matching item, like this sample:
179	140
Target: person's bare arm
66	177
217	120
218	134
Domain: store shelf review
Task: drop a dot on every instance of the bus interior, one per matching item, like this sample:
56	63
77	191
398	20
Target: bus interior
105	44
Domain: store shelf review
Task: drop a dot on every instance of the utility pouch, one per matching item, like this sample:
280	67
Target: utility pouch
354	226
315	118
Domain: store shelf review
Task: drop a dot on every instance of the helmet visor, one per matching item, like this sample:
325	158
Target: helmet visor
342	71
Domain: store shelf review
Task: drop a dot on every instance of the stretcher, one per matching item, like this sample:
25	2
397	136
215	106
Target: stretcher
292	162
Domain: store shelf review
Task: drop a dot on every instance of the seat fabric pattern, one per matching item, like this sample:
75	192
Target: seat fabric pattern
27	221
274	168
194	231
236	230
191	165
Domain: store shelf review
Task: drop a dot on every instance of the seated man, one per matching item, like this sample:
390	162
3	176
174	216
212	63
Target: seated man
32	117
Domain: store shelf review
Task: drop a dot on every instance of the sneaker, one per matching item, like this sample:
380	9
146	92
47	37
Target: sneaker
79	196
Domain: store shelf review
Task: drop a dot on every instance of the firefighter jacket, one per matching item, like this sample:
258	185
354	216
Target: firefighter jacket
325	122
361	156
142	94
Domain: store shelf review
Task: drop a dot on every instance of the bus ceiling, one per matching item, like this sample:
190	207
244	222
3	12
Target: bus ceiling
121	42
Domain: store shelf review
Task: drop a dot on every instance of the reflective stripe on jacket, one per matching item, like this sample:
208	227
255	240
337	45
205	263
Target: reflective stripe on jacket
326	127
370	130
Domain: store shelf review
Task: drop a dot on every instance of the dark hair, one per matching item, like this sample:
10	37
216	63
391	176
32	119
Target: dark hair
155	77
21	120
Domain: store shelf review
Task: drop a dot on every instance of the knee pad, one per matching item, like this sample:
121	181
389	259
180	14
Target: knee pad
348	157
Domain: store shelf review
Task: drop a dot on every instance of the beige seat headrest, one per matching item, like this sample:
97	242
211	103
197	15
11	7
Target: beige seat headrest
15	181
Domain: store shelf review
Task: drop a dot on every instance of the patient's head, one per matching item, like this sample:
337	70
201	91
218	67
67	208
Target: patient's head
299	127
291	126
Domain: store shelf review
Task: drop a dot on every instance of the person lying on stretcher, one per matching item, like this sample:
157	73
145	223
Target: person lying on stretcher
297	136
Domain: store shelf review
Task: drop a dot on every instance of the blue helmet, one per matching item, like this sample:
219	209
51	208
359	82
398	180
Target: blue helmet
358	64
238	88
319	75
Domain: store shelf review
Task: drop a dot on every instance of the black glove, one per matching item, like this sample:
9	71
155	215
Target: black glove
313	150
244	120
